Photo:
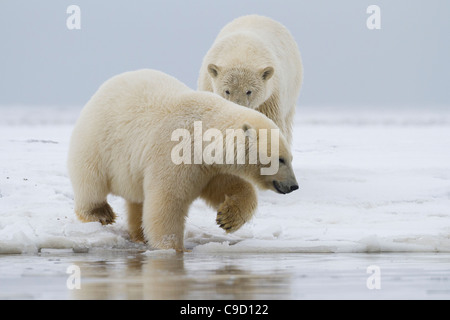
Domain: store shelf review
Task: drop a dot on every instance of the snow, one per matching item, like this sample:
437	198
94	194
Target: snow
370	181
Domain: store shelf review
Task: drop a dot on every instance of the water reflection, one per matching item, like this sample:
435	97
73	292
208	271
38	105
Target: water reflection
182	276
125	274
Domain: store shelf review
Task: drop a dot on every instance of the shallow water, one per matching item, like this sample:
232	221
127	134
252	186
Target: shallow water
125	274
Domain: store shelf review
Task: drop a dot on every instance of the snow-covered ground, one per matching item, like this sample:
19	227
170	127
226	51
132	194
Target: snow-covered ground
370	181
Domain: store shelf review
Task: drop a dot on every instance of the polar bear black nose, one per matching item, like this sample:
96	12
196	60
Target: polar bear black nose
294	187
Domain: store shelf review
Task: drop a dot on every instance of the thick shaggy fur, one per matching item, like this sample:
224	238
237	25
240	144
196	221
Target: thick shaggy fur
121	144
254	62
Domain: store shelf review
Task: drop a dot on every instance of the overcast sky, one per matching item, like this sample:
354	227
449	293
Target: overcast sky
404	63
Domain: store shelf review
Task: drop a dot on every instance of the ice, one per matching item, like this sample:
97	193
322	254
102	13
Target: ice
374	181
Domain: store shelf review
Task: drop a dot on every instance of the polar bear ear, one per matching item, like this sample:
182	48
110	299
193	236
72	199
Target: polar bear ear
267	73
213	70
247	129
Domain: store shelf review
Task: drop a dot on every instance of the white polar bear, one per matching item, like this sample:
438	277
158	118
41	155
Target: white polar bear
254	62
122	144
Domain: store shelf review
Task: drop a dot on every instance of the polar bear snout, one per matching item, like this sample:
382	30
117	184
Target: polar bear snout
285	187
284	181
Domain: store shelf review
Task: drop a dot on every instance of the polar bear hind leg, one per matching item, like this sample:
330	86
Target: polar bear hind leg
90	192
101	212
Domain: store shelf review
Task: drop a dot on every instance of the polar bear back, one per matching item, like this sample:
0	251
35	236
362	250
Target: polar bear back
126	113
131	117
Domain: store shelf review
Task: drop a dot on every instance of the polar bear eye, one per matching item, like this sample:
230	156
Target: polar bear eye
227	92
281	161
249	92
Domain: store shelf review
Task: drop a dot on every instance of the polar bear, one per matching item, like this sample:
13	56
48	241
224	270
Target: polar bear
254	62
123	143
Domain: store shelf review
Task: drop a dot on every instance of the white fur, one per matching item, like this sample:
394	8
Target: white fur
121	144
253	43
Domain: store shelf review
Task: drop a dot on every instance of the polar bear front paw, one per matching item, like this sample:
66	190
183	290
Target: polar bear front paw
229	215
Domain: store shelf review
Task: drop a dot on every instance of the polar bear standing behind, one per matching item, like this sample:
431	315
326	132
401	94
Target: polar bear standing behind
255	62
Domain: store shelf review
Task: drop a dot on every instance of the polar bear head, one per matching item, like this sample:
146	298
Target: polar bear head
273	168
241	85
